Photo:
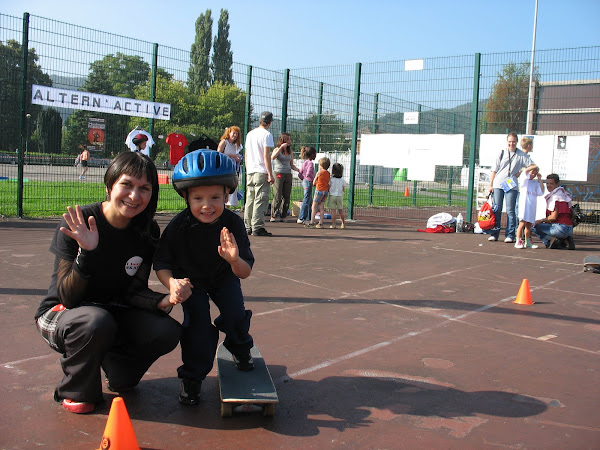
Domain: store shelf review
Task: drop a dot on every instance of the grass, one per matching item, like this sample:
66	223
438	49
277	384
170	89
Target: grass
51	198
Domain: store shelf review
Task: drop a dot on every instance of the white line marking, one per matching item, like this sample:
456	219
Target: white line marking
298	281
280	310
11	365
507	256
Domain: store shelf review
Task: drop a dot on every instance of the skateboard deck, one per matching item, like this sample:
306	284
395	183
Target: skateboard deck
237	387
591	264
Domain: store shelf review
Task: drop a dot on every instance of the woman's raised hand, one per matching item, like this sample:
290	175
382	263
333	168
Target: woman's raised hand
87	238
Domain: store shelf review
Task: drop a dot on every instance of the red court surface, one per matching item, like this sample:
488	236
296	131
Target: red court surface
377	336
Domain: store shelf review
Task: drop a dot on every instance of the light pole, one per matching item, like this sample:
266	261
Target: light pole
531	94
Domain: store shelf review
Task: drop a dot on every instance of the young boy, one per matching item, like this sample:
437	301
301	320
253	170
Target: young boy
337	185
321	183
530	191
203	252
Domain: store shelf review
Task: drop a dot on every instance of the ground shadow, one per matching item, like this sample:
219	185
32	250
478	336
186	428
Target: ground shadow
339	402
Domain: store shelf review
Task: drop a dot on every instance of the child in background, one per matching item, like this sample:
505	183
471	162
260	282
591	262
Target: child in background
307	175
202	254
321	183
337	184
530	190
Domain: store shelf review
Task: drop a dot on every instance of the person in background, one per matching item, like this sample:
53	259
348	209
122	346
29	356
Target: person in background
259	175
140	141
84	157
503	185
99	312
321	183
556	229
283	164
307	175
231	145
337	185
530	190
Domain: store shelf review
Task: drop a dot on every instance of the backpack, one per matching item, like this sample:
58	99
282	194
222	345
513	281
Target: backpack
577	216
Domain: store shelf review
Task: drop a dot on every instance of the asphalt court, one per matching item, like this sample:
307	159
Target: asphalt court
377	336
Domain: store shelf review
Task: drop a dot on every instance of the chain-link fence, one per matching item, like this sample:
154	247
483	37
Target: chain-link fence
329	108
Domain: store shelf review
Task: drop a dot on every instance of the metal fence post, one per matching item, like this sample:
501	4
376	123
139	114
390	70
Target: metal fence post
246	122
374	131
354	140
154	74
23	120
284	100
474	120
319	114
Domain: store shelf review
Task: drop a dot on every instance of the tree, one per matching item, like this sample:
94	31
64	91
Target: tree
222	58
332	136
507	106
199	76
10	91
50	131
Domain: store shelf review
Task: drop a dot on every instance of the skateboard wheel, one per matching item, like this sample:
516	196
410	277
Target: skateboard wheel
269	410
226	410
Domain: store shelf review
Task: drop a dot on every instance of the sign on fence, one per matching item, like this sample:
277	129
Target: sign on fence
88	101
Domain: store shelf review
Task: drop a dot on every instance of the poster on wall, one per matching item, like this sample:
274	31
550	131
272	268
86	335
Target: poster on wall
96	134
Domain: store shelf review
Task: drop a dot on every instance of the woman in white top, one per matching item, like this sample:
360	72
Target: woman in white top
231	145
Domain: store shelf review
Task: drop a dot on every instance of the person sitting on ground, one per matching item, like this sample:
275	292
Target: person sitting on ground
99	311
556	229
205	249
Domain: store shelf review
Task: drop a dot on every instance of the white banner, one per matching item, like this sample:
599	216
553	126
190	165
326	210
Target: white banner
64	98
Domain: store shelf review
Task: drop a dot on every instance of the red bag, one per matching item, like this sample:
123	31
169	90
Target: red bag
486	217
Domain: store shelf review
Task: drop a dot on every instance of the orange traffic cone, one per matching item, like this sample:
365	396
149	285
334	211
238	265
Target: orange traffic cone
118	434
406	192
524	295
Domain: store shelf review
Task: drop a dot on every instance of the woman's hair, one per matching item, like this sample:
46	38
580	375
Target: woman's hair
337	170
135	164
308	153
526	142
325	162
281	140
228	132
554	177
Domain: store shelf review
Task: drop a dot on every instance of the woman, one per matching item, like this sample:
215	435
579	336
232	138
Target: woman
231	145
99	311
283	164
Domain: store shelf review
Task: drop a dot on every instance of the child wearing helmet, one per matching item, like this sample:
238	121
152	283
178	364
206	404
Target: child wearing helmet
203	253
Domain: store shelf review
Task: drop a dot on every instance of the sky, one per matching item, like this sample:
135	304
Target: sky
311	33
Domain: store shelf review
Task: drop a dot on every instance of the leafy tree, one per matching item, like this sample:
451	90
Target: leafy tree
507	106
50	131
332	135
222	58
199	76
10	91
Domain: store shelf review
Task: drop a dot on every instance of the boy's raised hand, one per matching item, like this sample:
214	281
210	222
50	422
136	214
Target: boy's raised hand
228	250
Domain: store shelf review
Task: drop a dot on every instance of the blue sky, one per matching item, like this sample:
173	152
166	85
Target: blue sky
311	33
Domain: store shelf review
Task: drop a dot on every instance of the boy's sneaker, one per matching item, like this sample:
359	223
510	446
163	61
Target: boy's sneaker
244	363
493	238
262	232
520	244
77	407
299	221
509	240
189	392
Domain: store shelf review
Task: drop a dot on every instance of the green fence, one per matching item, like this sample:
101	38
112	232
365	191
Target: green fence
329	108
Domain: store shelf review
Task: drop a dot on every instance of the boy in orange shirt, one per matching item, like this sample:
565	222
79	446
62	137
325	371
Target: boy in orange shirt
321	183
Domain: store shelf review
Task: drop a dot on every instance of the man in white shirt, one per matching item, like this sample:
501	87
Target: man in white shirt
259	175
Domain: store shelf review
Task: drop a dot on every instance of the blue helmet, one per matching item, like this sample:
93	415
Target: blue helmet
204	168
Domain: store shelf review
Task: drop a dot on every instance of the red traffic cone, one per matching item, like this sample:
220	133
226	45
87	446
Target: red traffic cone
406	192
524	295
118	434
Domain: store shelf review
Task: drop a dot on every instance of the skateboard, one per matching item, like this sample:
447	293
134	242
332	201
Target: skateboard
238	388
591	264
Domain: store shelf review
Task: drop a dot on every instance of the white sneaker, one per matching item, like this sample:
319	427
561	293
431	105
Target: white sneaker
299	221
520	244
509	240
492	238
